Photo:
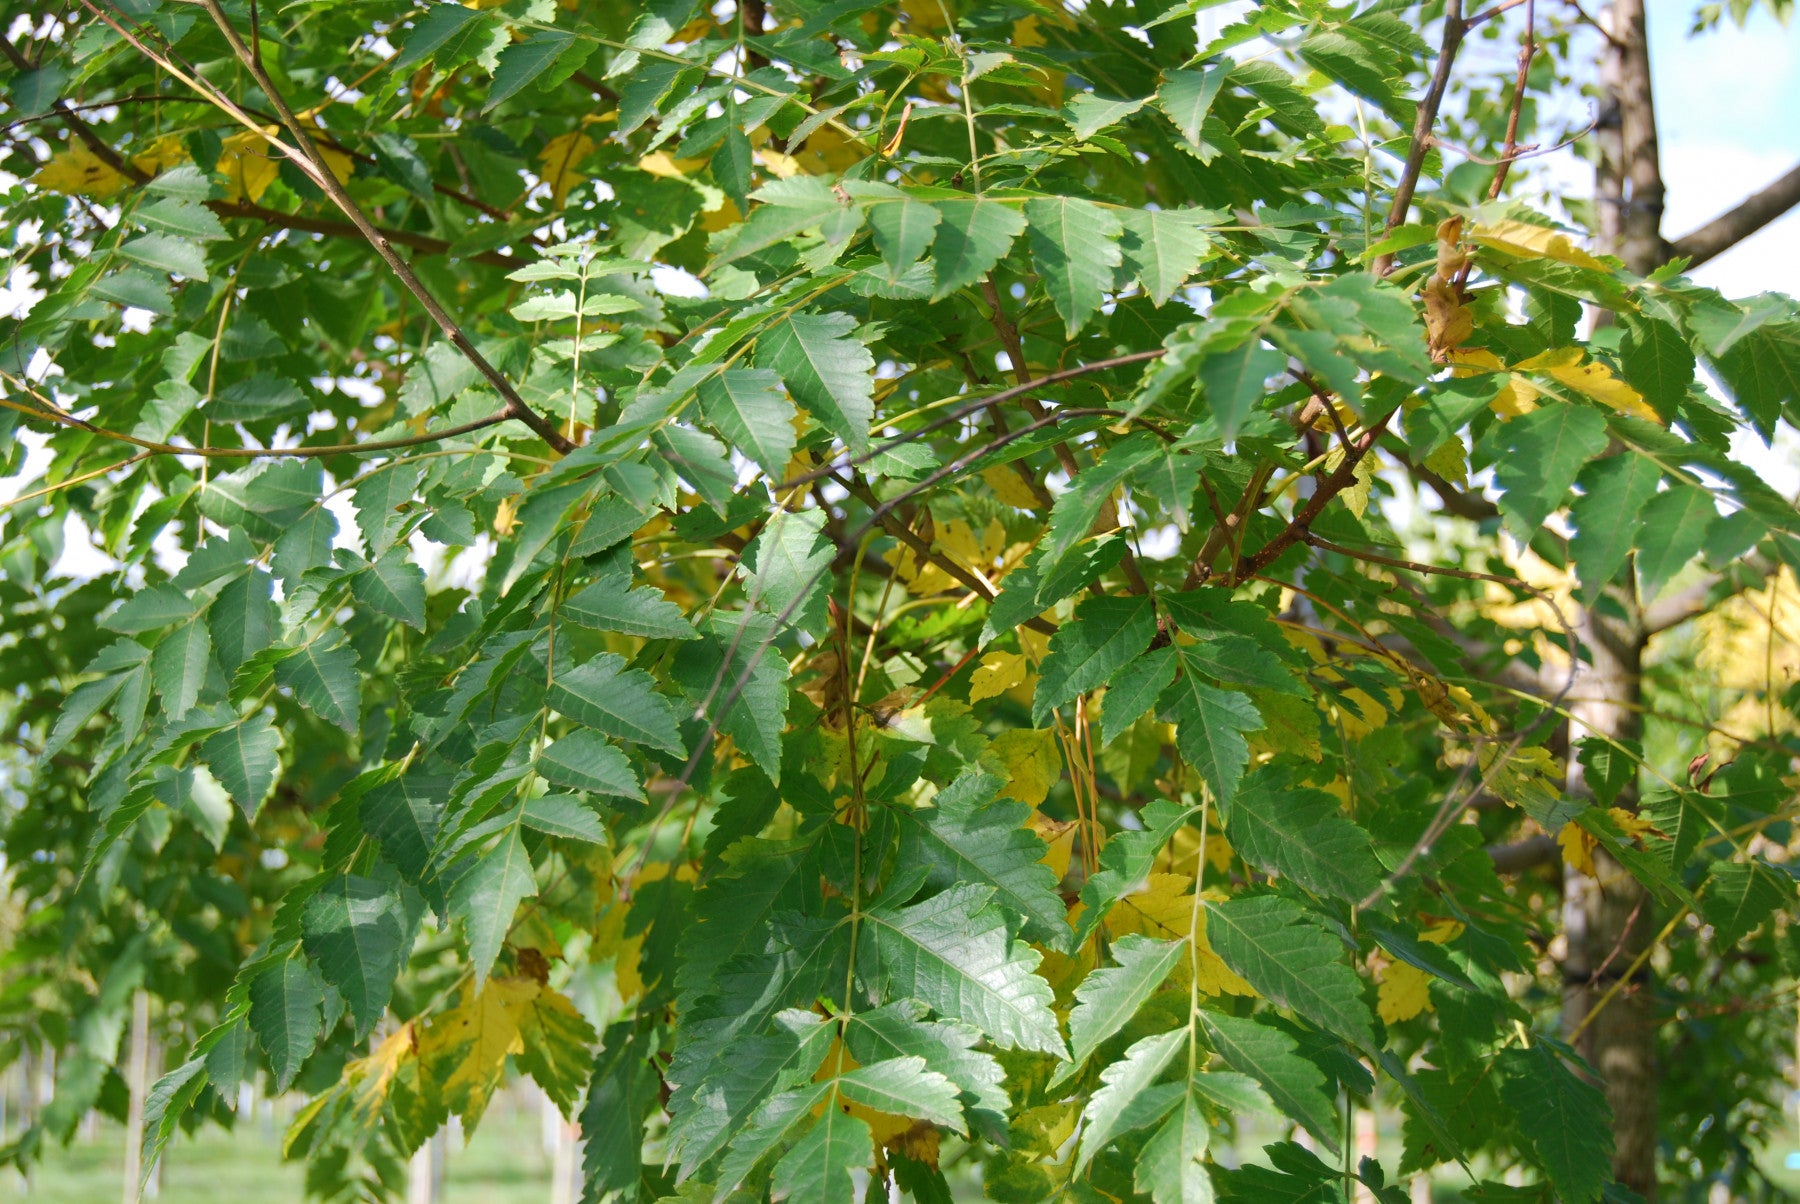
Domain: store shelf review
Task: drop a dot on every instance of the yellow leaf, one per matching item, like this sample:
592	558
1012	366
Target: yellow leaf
1450	460
661	163
1164	910
1009	487
247	162
1442	932
78	171
160	155
1364	714
997	673
1059	835
883	1126
1025	32
1516	397
1030	761
373	1075
1577	846
777	164
1468	361
1403	993
1532	242
1632	825
1594	379
473	1040
559	158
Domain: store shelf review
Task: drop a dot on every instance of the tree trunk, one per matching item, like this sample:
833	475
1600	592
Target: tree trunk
1607	917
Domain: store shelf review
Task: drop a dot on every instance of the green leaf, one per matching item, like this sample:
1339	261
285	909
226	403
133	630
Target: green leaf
1110	996
551	54
623	1091
1564	1119
243	618
973	236
442	25
486	895
1234	380
1675	525
1609	517
1762	372
1739	896
183	219
1106	634
748	407
905	1087
787	565
150	609
1301	834
1290	959
1134	690
608	605
968	834
899	1030
1542	452
246	758
1210	724
585	760
167	253
620	702
563	815
903	230
1295	1084
1075	512
1658	363
1163	247
1122	1085
403	817
179	664
1169	1166
394	586
738	679
1126	861
953	952
1075	247
827	370
1088	114
284	1012
305	544
359	933
325	676
1187	97
818	1167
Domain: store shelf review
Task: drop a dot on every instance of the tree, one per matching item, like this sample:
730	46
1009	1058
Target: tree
823	580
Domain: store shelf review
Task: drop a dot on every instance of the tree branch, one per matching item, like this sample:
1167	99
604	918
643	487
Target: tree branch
1525	854
1424	120
422	243
305	155
1734	226
316	452
922	548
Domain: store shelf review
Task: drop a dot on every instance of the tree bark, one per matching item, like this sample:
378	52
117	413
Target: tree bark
1607	917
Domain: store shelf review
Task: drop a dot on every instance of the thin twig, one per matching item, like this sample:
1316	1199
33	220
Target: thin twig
1426	118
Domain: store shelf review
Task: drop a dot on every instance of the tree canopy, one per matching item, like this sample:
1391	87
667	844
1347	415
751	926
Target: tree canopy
883	588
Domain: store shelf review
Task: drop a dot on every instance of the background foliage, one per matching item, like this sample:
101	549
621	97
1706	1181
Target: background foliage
949	689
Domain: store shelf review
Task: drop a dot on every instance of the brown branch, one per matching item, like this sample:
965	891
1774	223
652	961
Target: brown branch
101	149
423	243
974	407
1510	150
922	547
1340	479
1456	501
1734	226
1108	517
1522	855
316	452
1426	118
307	158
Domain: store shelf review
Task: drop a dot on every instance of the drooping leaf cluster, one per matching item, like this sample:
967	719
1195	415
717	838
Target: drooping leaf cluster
937	683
